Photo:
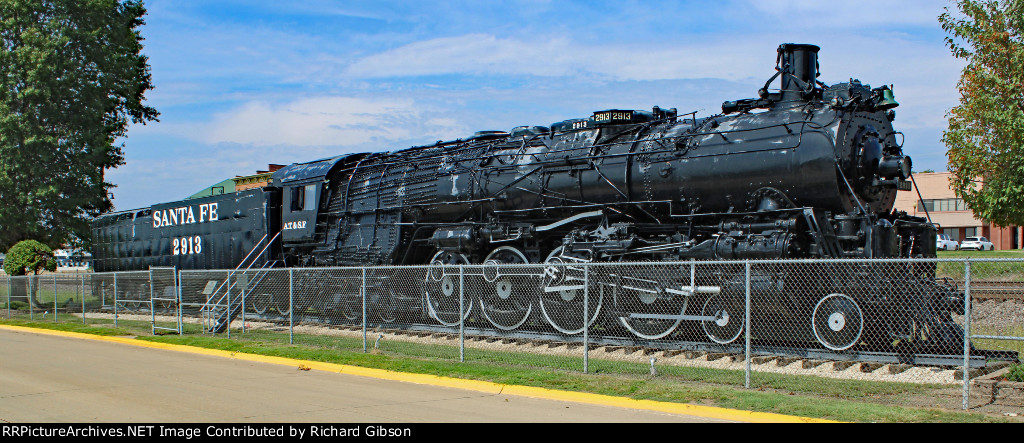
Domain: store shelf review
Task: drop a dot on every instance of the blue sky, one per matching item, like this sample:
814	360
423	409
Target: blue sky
241	84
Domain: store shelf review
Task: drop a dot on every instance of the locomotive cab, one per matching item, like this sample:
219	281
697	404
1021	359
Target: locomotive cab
302	187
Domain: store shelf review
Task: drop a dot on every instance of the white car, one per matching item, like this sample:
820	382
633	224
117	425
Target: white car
977	243
944	243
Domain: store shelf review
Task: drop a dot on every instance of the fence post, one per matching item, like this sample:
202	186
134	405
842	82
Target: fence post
178	309
82	285
227	309
55	298
586	320
746	327
243	291
363	295
291	306
8	296
115	299
462	319
29	284
967	332
152	304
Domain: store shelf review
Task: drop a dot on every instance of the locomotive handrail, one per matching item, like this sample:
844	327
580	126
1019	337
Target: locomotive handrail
232	272
250	252
214	299
229	311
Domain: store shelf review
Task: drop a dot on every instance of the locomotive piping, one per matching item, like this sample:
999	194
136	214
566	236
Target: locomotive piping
850	188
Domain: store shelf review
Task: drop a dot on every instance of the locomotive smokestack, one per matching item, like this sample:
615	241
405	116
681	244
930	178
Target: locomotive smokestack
799	66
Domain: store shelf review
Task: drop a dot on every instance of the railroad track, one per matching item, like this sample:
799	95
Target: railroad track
979	360
997	290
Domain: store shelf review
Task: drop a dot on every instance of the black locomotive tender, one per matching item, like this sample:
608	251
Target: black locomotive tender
810	171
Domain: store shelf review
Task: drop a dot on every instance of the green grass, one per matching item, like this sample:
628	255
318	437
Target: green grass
1012	253
996	344
67	325
982	270
844	400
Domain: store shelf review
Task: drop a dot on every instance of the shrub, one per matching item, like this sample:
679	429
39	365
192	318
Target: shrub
29	256
1016	373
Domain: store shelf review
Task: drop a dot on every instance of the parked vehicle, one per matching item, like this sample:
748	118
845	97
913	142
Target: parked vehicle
944	243
977	244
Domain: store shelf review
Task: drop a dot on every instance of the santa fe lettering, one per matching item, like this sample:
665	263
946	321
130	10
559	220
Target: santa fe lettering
184	215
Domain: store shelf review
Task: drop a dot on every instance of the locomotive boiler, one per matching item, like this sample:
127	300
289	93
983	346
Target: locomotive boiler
807	171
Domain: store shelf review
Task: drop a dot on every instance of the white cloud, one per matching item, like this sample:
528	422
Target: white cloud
728	57
850	15
484	54
326	121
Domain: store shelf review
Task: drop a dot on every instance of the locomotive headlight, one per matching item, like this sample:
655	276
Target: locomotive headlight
895	166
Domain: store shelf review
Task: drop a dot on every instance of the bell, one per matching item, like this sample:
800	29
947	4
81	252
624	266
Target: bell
886	101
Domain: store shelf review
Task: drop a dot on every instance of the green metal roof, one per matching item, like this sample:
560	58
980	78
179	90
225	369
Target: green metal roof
224	187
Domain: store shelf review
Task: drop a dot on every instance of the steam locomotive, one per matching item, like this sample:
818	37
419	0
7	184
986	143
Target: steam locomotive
805	171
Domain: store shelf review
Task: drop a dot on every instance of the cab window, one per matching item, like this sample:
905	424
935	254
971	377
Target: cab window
304	198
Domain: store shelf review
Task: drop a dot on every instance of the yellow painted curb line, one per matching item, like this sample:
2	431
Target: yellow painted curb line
473	385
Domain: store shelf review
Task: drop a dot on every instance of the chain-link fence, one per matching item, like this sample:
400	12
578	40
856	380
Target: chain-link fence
752	323
51	297
995	324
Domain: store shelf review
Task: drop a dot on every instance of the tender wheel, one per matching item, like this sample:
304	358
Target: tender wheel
442	289
282	306
727	311
837	322
260	303
383	303
561	298
506	303
346	302
302	298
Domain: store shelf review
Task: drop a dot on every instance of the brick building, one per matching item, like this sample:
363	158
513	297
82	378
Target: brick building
259	180
951	213
239	183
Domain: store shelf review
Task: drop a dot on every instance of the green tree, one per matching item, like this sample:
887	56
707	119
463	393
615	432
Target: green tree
29	256
72	76
985	138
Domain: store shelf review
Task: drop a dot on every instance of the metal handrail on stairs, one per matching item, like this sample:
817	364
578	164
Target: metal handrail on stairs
217	305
